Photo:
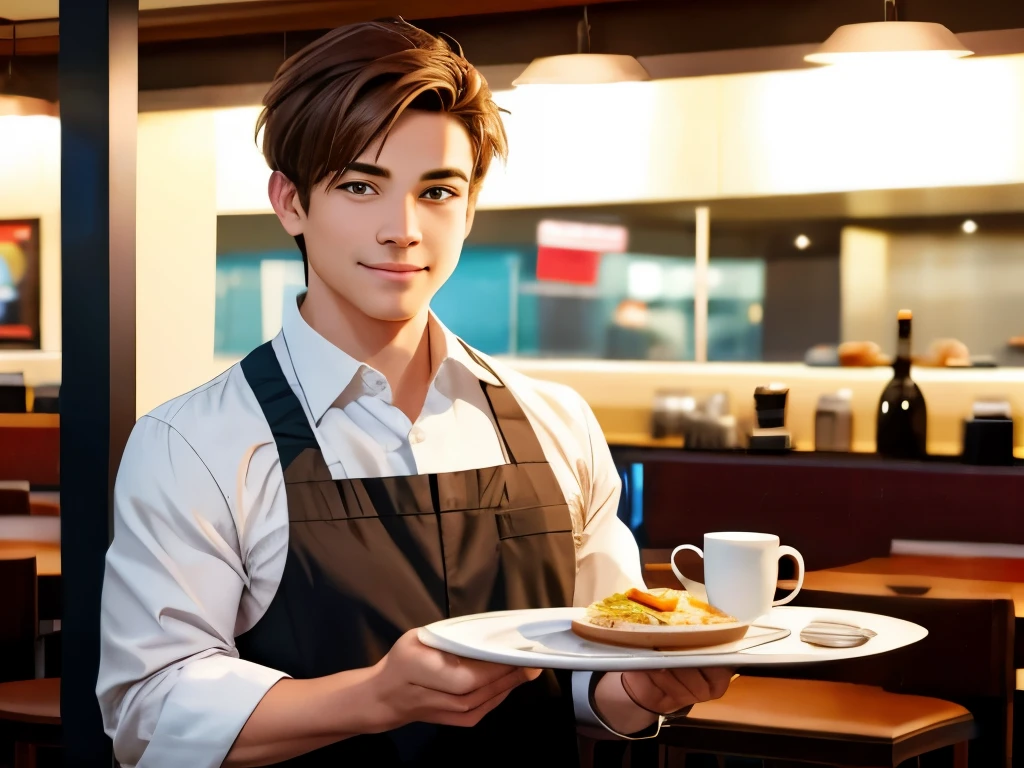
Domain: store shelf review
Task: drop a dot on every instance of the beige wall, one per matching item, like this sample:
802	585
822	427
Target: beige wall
805	131
176	262
968	287
864	287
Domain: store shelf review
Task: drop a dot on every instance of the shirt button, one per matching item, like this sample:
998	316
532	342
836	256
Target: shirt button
416	436
374	381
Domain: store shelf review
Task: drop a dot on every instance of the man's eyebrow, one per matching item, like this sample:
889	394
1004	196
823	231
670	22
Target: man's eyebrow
384	173
444	173
368	169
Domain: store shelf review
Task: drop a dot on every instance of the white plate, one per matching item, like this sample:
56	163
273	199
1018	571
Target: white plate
544	638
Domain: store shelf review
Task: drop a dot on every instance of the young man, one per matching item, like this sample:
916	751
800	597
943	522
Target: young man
282	531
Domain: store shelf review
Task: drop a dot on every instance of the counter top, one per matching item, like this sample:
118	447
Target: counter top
663	451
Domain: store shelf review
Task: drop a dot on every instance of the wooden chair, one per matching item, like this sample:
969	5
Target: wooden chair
15	497
954	687
19	618
29	707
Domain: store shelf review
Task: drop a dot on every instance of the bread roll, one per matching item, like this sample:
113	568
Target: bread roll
861	354
947	353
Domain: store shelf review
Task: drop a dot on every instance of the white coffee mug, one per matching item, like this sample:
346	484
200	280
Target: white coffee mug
741	571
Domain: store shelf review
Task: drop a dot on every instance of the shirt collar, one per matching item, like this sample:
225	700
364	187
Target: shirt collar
446	347
324	371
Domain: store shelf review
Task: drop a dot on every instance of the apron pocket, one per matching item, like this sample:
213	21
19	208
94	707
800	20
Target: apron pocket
529	522
537	557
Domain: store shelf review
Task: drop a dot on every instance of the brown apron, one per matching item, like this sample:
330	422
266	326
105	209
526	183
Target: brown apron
370	559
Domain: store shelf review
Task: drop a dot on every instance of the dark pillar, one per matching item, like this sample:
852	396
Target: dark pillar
98	110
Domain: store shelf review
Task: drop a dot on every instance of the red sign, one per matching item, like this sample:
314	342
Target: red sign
568	265
16	332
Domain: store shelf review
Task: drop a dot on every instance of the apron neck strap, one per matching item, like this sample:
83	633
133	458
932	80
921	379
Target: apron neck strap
282	409
514	427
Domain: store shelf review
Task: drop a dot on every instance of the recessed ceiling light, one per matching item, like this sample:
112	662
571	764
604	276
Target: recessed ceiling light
802	242
969	227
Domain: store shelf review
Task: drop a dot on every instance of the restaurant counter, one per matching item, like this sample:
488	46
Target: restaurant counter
836	509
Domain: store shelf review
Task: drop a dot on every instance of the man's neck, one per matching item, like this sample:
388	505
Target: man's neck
400	350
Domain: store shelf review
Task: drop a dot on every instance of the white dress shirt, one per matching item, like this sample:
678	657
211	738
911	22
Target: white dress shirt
201	524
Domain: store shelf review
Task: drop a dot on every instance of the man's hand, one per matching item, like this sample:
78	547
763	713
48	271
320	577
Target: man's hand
414	683
629	702
665	691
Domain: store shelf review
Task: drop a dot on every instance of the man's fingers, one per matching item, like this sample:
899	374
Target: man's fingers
471	718
455	675
668	690
464	703
648	689
692	685
719	679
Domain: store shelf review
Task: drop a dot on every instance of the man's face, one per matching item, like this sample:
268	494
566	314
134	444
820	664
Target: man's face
388	235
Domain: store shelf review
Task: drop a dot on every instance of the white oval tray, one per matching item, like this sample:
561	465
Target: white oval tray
543	638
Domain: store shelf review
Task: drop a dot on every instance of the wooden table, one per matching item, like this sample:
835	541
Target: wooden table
989	569
48	572
941	577
22	528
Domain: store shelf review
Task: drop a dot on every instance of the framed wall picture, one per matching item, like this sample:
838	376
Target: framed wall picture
19	284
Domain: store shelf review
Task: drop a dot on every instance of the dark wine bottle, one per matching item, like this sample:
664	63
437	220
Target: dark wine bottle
902	415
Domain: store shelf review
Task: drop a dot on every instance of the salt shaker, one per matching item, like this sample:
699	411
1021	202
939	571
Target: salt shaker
833	422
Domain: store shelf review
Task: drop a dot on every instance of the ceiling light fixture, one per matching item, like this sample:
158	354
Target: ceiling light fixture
889	39
802	242
969	227
582	67
16	95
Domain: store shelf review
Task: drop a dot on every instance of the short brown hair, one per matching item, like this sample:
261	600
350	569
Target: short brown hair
339	94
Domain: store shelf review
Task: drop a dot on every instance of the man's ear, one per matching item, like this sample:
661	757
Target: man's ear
285	199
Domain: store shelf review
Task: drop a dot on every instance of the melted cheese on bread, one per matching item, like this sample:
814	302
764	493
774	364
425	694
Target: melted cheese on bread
618	610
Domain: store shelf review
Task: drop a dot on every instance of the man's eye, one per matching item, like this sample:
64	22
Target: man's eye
360	188
438	193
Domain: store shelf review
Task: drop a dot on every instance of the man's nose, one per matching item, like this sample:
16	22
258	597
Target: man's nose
402	227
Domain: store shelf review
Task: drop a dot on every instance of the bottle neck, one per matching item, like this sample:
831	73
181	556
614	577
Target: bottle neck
901	365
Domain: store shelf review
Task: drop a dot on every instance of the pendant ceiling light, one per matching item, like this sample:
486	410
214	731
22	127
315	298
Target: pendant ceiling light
884	40
582	67
16	94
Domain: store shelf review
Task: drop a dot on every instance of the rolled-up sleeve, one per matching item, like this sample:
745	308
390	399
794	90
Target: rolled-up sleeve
171	688
608	559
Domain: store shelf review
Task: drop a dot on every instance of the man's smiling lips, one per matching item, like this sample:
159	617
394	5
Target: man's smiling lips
393	270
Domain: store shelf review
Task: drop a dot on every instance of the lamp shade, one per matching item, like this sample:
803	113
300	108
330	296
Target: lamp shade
582	69
881	38
16	98
26	106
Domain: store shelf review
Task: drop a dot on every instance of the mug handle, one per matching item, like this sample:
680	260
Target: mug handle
783	551
695	588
